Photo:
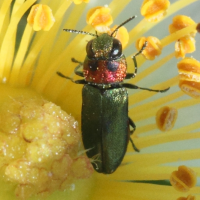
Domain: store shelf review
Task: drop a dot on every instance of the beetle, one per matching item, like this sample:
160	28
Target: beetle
105	123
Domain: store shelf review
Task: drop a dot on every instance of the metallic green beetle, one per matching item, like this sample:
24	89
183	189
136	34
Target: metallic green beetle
105	122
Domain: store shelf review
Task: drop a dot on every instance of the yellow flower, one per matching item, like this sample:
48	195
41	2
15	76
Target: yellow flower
29	61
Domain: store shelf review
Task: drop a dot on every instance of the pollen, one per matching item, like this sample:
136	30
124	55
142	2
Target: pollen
153	48
154	10
191	88
39	147
122	35
41	17
189	74
184	45
180	22
166	118
189	197
100	18
189	69
183	179
81	1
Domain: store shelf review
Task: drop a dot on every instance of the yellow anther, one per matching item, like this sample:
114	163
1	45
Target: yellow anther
100	18
183	179
41	17
184	45
154	10
180	22
166	118
152	49
189	69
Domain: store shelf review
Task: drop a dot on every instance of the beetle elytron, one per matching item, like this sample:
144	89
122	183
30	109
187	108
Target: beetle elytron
105	122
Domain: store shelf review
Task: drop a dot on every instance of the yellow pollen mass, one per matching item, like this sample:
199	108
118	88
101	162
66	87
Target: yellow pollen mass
39	144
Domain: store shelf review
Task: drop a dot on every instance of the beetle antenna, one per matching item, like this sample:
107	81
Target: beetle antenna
80	32
128	20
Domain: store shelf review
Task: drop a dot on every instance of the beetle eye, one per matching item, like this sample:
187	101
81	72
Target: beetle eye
116	49
89	50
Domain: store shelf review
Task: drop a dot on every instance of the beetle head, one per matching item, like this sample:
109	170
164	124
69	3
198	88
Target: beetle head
105	63
104	47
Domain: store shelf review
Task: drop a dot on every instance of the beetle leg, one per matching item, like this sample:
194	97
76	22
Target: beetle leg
132	124
132	75
82	81
79	73
133	145
76	61
131	86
